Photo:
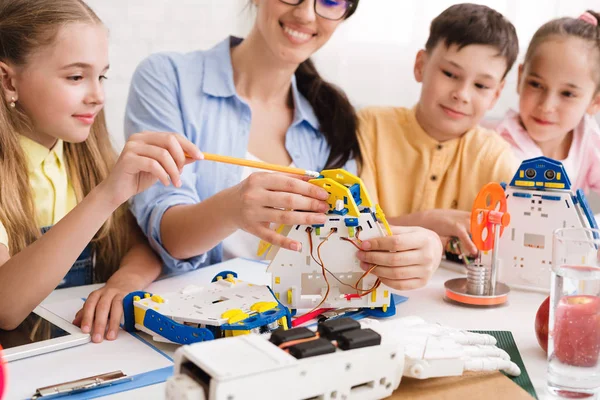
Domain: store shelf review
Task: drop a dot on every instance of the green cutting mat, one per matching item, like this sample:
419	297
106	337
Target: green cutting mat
507	343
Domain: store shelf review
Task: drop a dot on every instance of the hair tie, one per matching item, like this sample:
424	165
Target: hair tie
589	18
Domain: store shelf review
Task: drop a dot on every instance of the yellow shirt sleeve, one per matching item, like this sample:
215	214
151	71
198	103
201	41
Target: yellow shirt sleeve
367	170
3	236
503	166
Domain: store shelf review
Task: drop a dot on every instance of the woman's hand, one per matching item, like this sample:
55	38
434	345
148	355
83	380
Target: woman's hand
406	260
264	198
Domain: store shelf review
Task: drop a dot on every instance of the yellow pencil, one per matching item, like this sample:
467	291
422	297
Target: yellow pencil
261	165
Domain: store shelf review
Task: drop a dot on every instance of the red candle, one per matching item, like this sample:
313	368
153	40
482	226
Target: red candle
577	330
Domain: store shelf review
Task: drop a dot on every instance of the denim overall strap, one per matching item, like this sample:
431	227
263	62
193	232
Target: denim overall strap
82	272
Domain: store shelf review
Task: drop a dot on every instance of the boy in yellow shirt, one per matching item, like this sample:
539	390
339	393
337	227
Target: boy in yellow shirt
425	165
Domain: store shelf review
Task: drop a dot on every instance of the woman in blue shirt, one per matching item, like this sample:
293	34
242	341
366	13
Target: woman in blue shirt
260	98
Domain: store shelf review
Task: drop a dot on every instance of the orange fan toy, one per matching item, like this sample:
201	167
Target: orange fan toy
489	217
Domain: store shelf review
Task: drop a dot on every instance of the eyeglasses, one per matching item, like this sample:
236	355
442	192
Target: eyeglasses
329	9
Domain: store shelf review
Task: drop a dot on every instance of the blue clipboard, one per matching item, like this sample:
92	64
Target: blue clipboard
134	382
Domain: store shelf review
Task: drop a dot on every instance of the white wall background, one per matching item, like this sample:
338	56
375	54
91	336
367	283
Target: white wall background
370	56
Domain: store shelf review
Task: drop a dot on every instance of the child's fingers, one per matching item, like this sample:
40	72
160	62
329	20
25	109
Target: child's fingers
189	148
88	311
116	312
467	244
101	317
154	168
405	284
398	242
396	273
164	158
78	317
177	144
392	259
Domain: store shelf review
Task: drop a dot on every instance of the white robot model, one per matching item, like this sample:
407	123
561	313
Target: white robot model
326	272
226	307
344	359
540	200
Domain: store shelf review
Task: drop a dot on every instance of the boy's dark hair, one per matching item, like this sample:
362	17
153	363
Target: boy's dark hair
466	24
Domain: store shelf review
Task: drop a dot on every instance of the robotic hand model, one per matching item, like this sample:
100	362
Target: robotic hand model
226	307
344	359
326	272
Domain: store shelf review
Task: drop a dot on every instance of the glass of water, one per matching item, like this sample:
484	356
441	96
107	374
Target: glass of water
574	329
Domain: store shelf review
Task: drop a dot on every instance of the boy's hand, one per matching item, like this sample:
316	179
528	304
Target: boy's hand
103	308
405	260
448	223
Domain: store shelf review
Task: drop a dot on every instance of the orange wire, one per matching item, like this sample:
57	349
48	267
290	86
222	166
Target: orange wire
351	241
355	287
317	262
298	341
323	269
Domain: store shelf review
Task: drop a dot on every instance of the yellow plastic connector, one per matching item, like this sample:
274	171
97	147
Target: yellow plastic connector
146	295
265	306
157	299
346	178
381	217
230	313
139	314
289	296
239	317
254	307
136	298
283	323
337	191
277	280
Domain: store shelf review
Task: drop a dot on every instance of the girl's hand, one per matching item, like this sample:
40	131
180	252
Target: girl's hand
146	158
264	198
103	309
406	260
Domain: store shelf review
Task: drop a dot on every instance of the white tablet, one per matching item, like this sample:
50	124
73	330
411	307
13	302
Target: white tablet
41	332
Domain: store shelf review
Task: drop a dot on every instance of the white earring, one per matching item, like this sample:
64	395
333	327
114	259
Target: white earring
13	102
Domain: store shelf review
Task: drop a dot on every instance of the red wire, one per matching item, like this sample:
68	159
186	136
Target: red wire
309	316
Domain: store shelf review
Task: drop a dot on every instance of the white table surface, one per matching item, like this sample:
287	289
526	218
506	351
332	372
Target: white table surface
517	316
